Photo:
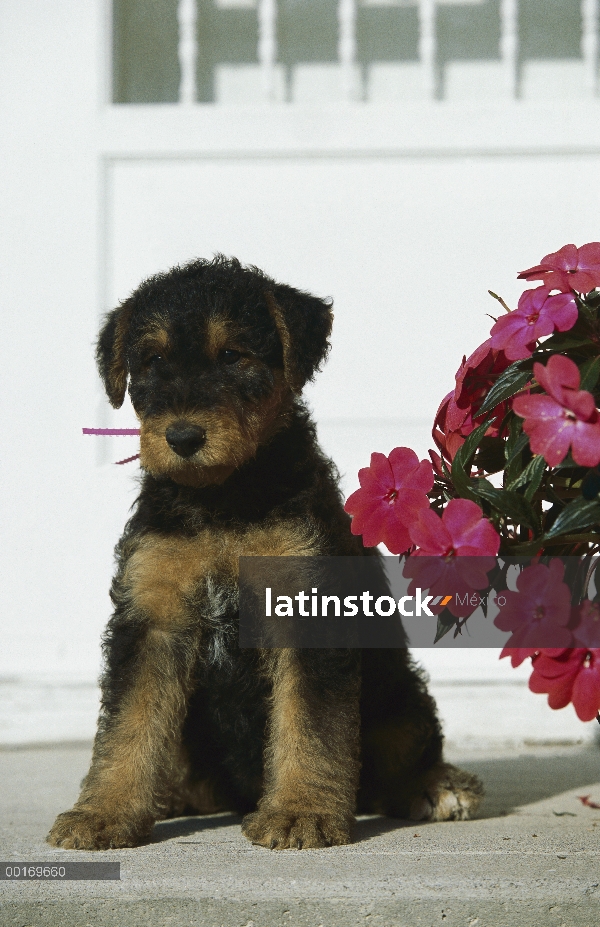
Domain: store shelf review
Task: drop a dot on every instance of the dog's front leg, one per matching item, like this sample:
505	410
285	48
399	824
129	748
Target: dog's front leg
311	761
144	694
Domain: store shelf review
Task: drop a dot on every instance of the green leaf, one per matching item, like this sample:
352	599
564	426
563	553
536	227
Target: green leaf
591	484
567	464
581	513
445	469
591	299
561	342
588	312
490	456
590	371
527	548
516	444
537	467
511	504
445	623
589	537
460	478
519	446
532	475
510	382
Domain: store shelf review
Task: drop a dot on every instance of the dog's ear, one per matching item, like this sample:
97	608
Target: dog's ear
110	354
303	323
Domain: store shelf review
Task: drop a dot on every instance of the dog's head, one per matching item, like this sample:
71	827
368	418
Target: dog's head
213	353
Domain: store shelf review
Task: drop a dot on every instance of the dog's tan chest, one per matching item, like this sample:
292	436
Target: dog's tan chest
164	570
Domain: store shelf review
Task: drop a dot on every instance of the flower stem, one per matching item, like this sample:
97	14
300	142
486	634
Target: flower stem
500	300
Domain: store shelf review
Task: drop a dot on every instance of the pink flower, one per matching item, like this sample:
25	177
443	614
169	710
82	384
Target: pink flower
518	654
393	491
457	415
570	268
475	376
538	613
449	439
566	417
459	550
460	578
537	315
573	676
462	531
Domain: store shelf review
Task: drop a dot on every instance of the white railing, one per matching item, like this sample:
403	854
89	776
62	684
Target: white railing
267	46
347	47
187	51
589	43
509	44
427	47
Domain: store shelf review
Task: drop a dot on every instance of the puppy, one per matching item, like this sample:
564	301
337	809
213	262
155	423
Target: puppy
216	355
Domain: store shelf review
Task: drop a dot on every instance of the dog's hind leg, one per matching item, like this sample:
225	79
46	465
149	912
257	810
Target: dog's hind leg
447	794
403	774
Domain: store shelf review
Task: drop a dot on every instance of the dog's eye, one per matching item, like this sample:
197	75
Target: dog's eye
228	356
153	360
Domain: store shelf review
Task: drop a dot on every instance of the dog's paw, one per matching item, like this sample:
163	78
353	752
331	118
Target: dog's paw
280	830
450	795
92	830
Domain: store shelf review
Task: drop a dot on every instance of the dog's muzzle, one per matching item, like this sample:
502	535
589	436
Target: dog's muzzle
185	439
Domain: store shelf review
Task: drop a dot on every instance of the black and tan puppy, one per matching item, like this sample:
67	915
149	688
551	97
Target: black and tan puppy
216	355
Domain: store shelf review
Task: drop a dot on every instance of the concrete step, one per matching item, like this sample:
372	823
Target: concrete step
529	860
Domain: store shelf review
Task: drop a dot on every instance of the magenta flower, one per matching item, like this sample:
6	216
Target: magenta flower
518	654
570	268
537	315
462	531
566	417
456	552
457	414
572	676
393	491
538	613
447	437
457	578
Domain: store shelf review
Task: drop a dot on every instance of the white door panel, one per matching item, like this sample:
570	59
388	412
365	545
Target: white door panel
406	247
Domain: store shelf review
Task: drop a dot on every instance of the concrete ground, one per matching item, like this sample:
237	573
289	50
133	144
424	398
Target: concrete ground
530	860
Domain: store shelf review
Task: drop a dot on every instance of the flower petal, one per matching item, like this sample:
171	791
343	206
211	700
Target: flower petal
536	406
551	439
559	372
460	515
564	259
586	692
378	475
430	534
589	256
585	443
409	472
563	310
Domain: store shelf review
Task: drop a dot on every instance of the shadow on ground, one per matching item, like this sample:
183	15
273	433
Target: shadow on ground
509	783
521	780
365	828
185	827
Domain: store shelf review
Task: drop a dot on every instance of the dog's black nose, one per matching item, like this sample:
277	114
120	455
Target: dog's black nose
185	439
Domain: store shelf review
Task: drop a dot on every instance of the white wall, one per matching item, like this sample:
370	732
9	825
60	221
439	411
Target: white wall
407	246
404	215
55	565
